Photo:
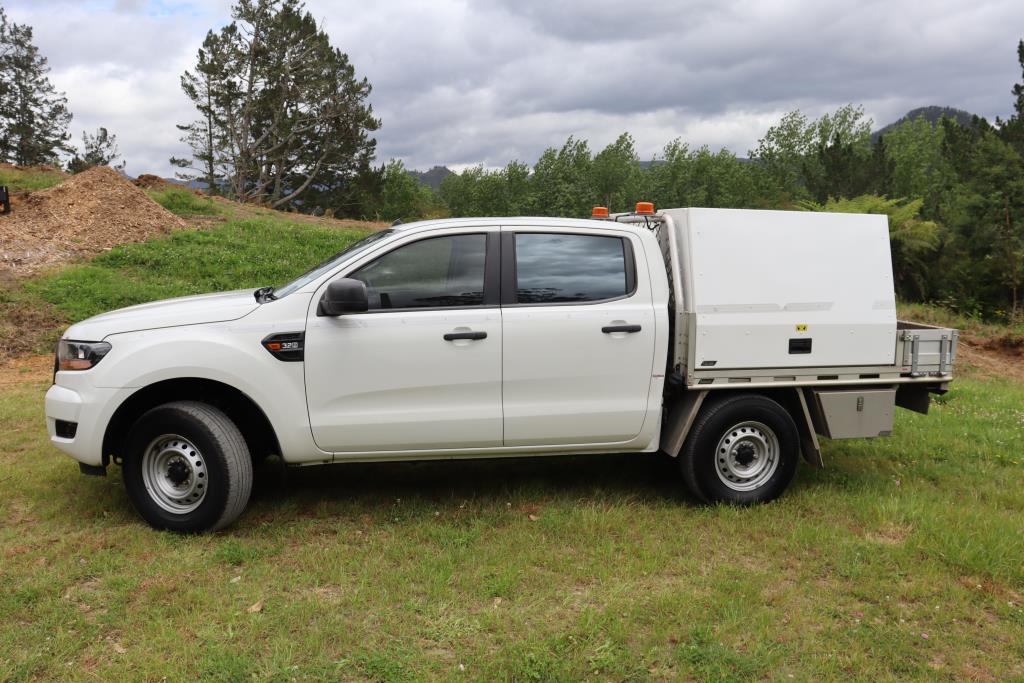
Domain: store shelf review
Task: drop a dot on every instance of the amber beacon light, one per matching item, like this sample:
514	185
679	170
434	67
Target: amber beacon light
599	212
645	208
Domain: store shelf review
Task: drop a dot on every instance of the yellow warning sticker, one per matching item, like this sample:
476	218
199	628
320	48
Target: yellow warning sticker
801	327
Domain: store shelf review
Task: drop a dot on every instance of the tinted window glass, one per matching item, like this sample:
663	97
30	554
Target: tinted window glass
441	271
554	268
329	264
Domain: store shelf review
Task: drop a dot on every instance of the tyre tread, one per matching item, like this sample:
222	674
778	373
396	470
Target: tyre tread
688	456
238	462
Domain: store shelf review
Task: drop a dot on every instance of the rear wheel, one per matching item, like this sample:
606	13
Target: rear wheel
740	450
187	468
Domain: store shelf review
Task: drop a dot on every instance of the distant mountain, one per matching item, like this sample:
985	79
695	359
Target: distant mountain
433	177
931	114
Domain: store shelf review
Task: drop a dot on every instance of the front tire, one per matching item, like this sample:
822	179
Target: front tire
187	468
741	450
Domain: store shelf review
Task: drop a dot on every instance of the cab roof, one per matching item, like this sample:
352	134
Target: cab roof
533	221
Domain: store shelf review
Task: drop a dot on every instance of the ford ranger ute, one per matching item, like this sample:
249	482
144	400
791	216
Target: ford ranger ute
729	339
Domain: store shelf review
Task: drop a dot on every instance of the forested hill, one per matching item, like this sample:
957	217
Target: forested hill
930	114
433	177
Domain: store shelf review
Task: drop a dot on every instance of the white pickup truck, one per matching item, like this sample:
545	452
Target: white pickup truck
728	339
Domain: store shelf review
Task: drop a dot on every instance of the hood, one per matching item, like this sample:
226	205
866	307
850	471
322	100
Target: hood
186	310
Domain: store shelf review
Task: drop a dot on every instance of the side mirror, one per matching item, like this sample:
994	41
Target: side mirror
343	295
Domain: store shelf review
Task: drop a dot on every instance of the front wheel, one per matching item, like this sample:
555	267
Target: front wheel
187	468
741	450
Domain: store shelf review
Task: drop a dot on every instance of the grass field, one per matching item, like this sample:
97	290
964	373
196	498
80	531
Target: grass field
902	559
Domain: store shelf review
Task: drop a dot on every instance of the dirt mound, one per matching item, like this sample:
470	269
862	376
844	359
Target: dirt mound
991	358
86	214
148	181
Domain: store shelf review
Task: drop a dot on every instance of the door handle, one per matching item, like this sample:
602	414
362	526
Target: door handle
453	336
608	329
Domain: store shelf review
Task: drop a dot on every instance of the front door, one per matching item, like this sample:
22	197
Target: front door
421	370
579	338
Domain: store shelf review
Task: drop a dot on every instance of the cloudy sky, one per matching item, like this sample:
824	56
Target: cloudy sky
461	82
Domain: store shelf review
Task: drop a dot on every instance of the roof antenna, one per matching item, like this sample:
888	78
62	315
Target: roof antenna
397	221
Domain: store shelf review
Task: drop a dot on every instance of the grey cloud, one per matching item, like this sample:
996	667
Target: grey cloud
491	80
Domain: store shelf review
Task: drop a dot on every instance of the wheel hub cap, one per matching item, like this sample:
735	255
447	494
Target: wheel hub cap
174	473
747	456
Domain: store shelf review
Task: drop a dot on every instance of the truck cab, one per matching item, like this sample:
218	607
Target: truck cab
461	338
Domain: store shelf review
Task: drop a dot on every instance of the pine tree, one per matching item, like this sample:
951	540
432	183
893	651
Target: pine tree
281	110
99	149
1012	130
34	117
205	136
985	206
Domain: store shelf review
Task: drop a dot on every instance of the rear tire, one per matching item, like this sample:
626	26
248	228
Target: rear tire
741	450
187	468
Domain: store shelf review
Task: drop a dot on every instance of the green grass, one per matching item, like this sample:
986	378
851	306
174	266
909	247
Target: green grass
936	315
903	559
30	179
184	202
235	255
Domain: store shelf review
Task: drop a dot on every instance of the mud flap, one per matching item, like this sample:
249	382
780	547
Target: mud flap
809	445
681	415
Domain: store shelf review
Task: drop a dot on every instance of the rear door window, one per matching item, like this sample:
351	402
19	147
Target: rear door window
553	268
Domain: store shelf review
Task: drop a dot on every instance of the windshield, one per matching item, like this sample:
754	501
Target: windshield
329	264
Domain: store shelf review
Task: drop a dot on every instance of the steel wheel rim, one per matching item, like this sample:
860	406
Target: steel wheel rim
747	456
174	473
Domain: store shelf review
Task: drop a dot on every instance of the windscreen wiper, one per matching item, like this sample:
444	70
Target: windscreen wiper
264	294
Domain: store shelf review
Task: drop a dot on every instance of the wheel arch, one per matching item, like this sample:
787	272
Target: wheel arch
685	408
251	419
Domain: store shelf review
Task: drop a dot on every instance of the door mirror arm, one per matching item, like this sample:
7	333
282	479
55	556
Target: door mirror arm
344	295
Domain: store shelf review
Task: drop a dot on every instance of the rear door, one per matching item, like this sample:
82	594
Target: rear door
578	337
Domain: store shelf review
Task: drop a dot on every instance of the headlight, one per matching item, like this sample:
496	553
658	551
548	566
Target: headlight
80	355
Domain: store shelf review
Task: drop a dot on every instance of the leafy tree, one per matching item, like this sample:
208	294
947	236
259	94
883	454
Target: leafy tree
460	191
684	177
34	117
985	207
518	192
802	157
841	168
562	181
99	149
782	150
919	167
616	174
846	126
280	108
479	192
402	196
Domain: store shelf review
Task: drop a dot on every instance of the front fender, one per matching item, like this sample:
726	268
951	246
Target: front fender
222	352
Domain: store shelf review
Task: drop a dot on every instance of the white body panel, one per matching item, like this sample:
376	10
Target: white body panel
758	279
186	310
389	381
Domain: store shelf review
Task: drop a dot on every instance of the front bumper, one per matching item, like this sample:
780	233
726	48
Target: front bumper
74	400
